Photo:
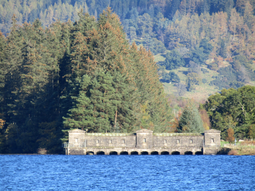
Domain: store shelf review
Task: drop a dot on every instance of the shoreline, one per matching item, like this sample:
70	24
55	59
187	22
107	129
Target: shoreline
224	151
238	150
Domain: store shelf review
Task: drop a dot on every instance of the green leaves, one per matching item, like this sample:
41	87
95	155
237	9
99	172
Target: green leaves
232	109
173	60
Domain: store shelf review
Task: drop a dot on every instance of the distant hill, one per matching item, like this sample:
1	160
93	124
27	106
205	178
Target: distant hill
201	46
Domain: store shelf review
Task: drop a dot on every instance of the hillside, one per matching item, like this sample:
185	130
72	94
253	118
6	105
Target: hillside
213	35
207	80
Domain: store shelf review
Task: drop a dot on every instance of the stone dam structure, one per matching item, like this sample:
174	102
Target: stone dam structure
143	142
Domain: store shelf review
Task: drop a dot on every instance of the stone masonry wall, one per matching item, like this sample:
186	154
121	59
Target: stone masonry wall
177	141
143	141
110	141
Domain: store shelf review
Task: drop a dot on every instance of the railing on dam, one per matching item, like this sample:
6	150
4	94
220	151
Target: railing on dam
110	134
132	134
176	134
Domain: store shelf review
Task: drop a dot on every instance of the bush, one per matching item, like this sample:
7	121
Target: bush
204	70
173	60
170	77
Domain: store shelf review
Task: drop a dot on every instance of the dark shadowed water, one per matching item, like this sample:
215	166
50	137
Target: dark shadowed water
53	172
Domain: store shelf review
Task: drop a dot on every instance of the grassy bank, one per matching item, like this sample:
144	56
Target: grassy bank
240	148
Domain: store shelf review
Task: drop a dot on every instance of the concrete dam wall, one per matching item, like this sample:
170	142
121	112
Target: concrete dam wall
143	142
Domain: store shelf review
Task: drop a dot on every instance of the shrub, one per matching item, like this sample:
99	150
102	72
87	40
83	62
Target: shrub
204	70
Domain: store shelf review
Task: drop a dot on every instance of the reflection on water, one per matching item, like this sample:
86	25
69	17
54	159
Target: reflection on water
150	172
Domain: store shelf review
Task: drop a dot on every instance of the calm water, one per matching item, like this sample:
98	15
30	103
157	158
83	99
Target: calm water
51	172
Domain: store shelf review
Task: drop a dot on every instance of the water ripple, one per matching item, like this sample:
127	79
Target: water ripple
53	172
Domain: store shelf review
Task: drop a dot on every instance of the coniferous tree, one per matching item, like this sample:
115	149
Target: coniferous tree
11	94
81	115
104	104
33	78
2	84
2	59
190	120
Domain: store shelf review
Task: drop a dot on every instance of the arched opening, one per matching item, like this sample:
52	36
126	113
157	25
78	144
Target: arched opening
176	153
144	153
90	153
134	153
154	153
164	153
113	153
124	153
100	153
188	153
199	153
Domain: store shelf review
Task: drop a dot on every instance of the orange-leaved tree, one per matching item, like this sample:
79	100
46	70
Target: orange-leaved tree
230	137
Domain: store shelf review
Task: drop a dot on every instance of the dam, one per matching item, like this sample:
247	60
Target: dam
143	142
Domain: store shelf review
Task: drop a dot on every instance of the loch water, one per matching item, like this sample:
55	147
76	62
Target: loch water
150	172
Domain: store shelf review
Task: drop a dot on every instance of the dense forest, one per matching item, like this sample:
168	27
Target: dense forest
75	75
65	64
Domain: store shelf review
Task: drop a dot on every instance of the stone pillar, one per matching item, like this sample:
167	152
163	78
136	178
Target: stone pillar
211	142
76	138
144	139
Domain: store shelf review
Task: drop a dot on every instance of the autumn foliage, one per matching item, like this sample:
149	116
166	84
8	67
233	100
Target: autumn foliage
230	137
205	118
